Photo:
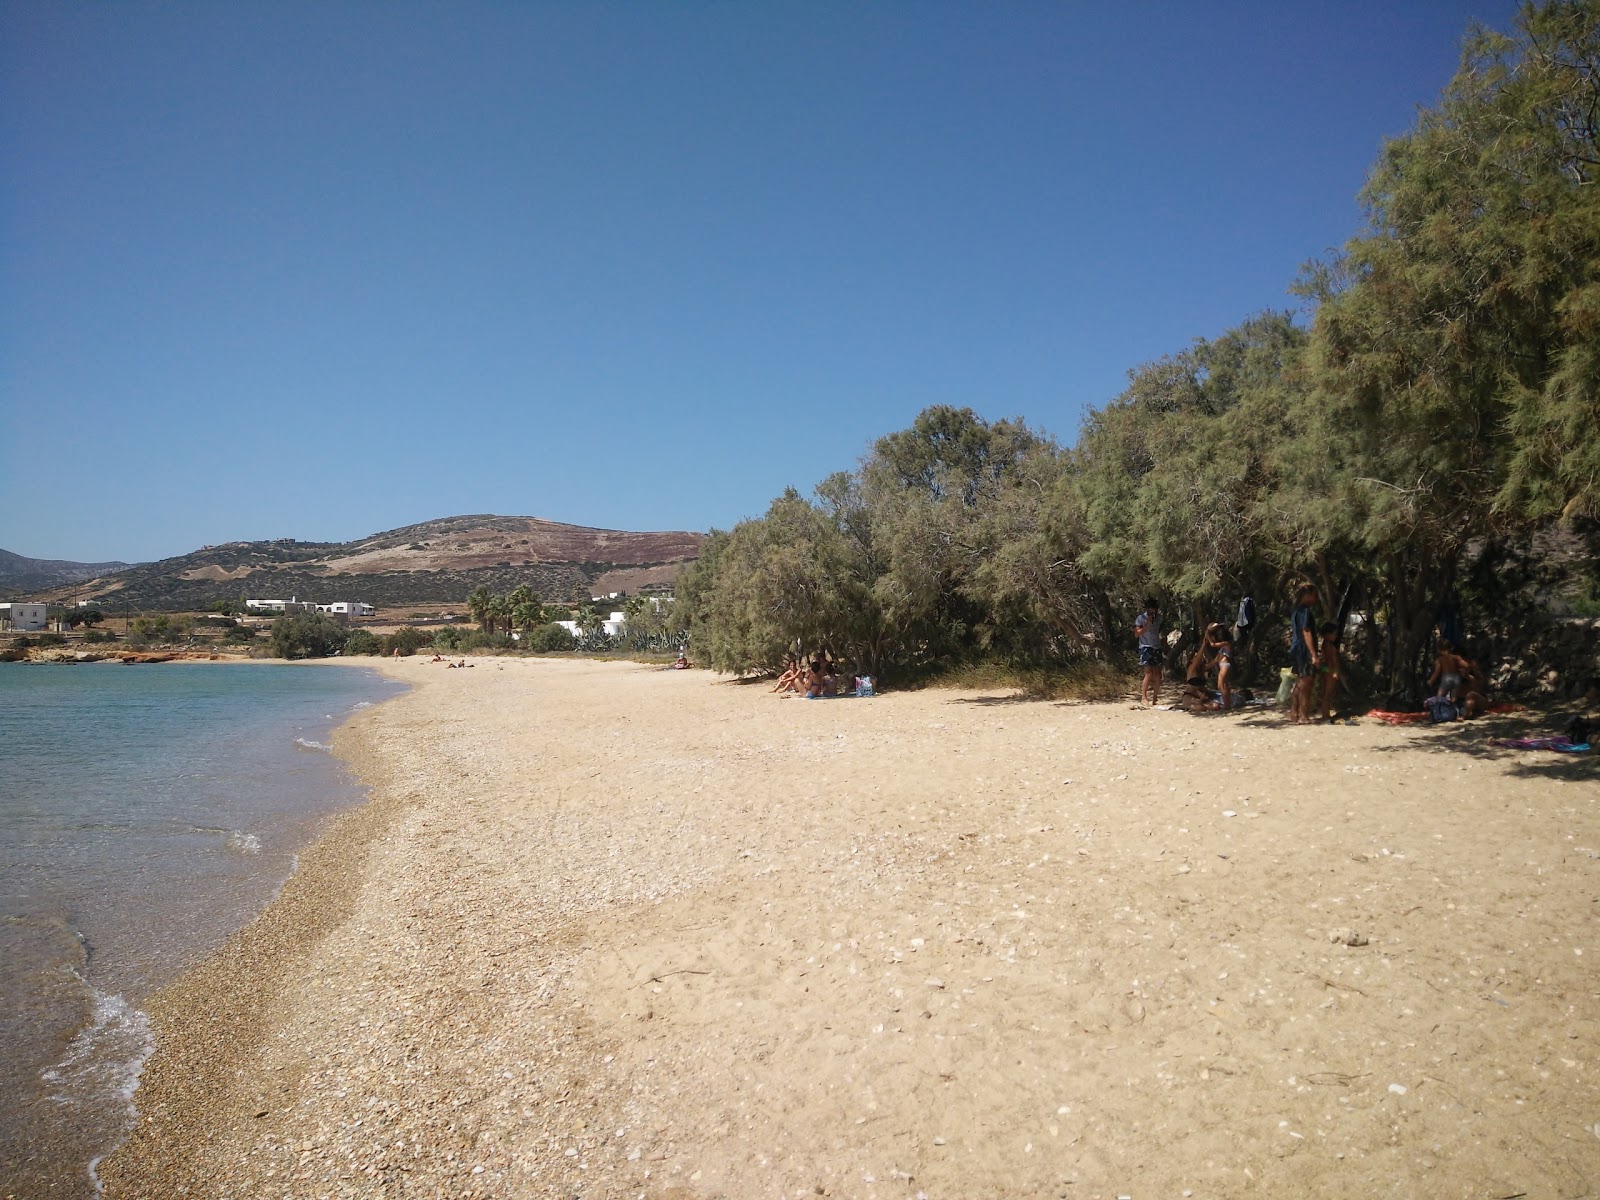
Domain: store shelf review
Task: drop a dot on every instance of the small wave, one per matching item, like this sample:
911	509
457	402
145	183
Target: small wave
308	744
360	704
105	1058
244	843
100	1073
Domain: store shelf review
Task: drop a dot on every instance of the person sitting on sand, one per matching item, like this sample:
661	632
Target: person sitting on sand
1196	697
1328	668
789	681
681	663
819	682
1449	668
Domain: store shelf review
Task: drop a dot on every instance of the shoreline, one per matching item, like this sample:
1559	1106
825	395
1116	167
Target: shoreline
603	929
150	821
210	1018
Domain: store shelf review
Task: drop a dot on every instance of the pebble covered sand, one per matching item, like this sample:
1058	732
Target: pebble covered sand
611	930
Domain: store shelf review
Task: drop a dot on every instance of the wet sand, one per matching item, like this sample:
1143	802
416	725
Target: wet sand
610	930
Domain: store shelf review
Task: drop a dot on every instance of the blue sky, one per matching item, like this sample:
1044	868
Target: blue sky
317	270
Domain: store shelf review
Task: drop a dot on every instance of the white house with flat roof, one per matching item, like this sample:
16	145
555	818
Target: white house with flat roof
611	626
348	608
24	615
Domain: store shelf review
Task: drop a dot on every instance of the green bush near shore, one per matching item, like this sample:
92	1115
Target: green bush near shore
406	641
363	641
308	635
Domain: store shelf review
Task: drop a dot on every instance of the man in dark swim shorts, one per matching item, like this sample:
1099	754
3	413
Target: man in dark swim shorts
1147	628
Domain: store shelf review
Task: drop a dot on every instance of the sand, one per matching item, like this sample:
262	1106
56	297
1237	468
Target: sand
610	930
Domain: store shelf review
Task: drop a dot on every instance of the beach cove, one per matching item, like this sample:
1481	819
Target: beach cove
610	930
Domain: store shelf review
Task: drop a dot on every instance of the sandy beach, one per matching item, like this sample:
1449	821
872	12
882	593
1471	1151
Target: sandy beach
611	930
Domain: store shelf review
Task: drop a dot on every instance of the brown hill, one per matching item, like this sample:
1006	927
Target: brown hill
433	562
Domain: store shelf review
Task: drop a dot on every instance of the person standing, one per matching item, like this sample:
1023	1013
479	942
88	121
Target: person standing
1303	654
1147	628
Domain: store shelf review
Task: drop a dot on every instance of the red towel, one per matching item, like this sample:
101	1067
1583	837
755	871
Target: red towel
1397	718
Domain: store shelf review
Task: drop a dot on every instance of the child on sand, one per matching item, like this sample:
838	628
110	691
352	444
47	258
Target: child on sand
1328	668
1448	670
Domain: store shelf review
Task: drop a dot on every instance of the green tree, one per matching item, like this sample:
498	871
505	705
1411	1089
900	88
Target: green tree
500	614
549	638
307	635
1455	355
480	605
363	641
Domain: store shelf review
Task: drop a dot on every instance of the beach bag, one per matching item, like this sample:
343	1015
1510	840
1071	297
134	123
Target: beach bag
1285	684
1440	709
864	685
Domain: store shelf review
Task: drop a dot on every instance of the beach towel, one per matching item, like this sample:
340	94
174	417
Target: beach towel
1398	718
1544	743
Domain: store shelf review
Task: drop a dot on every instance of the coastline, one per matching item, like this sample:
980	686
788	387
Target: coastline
211	1020
602	929
149	815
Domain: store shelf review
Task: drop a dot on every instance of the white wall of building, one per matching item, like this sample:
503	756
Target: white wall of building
25	615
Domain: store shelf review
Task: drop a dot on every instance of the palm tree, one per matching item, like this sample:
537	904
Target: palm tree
500	613
480	604
527	614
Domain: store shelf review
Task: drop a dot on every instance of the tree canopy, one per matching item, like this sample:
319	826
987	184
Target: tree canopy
1437	405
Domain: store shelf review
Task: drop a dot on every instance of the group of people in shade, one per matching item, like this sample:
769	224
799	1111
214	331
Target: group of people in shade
820	677
1314	663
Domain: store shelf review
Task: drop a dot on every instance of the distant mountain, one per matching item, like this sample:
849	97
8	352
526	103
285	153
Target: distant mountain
20	576
434	562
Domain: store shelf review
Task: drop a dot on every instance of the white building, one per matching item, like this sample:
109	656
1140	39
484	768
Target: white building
348	608
24	615
611	626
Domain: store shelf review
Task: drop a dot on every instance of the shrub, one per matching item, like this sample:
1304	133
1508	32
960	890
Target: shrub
307	635
363	641
548	638
99	635
408	640
239	635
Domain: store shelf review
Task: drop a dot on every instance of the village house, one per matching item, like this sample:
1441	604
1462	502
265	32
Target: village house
24	615
348	608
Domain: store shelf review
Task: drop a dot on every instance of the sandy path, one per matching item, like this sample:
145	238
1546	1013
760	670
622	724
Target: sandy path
614	931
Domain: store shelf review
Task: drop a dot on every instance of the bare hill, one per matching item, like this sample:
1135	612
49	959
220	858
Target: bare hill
20	576
434	562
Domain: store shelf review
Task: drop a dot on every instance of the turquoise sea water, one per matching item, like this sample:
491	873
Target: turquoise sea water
146	812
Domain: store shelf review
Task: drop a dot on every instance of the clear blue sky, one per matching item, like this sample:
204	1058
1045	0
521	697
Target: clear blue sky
317	270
